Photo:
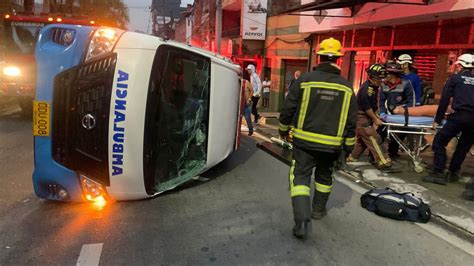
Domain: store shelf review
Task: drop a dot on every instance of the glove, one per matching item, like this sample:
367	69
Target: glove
284	134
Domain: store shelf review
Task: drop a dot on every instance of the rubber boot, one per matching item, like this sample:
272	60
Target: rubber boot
436	178
351	159
453	176
319	205
468	194
301	229
389	167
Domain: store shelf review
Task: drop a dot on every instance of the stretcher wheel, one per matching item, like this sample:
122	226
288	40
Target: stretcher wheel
418	167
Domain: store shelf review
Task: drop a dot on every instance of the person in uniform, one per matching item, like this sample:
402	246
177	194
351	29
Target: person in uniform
395	92
460	89
322	107
368	120
406	62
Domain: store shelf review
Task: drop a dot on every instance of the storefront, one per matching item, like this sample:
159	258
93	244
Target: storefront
433	35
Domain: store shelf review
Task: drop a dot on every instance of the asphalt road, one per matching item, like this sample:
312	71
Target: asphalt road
242	215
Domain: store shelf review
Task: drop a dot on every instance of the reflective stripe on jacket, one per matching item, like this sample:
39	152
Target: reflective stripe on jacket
322	107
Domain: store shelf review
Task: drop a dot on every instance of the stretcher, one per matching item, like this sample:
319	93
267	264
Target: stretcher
415	126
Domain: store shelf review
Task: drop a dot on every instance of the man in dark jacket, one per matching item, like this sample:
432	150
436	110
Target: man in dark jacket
395	92
322	107
459	88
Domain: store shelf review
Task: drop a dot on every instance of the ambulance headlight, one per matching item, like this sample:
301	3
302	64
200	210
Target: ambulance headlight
93	191
11	71
103	41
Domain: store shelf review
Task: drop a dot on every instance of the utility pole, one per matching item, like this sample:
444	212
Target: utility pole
218	25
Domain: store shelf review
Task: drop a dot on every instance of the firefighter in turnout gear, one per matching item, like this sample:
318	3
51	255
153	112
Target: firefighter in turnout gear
322	108
368	121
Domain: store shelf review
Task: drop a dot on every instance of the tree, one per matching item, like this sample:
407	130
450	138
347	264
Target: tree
106	12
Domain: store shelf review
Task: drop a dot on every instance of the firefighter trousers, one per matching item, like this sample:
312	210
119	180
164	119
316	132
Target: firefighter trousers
457	122
304	161
367	137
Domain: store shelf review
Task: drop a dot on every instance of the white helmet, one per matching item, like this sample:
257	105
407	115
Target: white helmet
466	60
404	58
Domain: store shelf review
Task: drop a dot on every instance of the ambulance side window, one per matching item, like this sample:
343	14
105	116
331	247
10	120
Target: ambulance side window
181	85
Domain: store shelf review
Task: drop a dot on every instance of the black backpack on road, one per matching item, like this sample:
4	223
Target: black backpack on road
399	206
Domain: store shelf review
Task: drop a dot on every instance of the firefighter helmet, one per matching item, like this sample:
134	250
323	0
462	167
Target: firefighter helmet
330	47
466	60
393	68
376	71
404	58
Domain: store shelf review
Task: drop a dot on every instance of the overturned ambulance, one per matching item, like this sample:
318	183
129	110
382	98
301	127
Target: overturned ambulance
122	115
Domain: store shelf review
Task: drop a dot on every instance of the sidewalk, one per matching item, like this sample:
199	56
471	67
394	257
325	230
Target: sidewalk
446	202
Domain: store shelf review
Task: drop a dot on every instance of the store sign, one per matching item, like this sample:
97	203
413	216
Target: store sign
254	24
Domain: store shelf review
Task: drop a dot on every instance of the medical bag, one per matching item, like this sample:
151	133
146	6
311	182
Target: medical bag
399	206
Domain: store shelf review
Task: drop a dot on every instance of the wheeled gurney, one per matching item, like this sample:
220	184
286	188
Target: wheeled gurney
416	126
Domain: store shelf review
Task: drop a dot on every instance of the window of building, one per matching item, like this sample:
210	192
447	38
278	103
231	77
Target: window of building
363	38
416	34
455	31
383	36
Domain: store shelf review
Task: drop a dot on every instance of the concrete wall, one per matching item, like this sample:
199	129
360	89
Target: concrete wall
284	42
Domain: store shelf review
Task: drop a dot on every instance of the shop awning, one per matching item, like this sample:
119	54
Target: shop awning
352	5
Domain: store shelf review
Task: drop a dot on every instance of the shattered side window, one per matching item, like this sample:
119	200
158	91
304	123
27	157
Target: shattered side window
180	86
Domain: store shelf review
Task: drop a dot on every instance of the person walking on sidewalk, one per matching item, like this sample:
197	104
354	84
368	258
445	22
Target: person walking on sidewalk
267	85
368	120
248	91
459	88
395	92
322	107
257	90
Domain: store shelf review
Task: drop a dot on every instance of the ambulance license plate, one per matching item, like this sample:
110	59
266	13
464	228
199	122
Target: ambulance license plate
41	118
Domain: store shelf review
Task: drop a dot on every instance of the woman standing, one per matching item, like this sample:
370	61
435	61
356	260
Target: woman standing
266	85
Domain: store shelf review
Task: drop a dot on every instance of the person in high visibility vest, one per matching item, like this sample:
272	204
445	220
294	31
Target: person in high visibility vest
322	108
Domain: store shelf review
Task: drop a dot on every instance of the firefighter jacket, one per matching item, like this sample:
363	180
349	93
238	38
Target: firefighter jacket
460	88
322	108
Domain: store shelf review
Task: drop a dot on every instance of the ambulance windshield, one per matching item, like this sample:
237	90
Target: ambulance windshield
21	37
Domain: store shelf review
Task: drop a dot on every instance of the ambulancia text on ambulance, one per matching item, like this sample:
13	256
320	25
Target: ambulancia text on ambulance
122	115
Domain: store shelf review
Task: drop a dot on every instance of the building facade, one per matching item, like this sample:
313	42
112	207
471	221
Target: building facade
434	35
198	25
165	17
286	51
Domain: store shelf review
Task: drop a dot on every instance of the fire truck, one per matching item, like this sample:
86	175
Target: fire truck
17	58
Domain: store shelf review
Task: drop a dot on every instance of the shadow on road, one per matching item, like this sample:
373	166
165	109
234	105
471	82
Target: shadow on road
239	157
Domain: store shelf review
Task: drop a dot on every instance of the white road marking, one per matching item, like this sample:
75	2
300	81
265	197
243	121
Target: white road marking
90	255
434	229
